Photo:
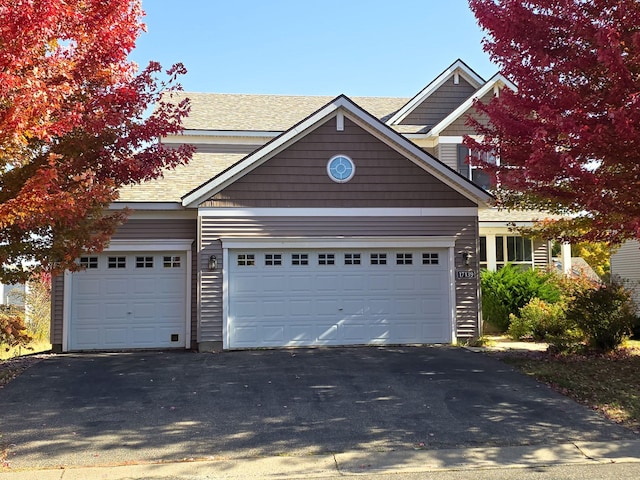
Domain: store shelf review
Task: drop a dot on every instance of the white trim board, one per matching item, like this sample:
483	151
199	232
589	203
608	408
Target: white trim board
337	242
337	212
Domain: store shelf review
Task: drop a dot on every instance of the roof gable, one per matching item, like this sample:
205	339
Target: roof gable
339	108
457	68
497	81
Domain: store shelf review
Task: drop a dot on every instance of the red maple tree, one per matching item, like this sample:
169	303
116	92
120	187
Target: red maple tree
569	137
74	127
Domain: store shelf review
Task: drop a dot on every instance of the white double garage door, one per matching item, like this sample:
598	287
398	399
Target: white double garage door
309	297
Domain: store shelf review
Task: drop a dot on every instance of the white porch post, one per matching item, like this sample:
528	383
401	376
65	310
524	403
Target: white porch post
566	258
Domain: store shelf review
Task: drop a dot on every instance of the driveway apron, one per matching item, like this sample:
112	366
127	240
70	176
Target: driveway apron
103	409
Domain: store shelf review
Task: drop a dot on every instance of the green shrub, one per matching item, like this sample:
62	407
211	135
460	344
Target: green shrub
606	315
507	290
538	319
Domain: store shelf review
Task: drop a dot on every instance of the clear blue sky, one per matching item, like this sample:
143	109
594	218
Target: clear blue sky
308	47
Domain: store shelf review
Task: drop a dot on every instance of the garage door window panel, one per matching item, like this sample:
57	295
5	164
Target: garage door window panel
89	262
273	259
144	262
352	259
378	258
171	261
404	259
326	259
299	259
246	260
430	259
117	262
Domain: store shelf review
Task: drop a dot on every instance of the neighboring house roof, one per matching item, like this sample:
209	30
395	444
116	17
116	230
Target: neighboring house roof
221	111
181	180
339	106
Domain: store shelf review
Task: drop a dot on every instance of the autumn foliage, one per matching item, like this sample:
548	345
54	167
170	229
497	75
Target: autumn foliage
75	126
569	137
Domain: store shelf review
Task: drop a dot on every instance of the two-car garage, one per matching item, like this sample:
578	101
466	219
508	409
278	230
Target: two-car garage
338	296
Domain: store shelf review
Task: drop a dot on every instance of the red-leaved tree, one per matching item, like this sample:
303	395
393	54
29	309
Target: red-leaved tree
74	127
569	137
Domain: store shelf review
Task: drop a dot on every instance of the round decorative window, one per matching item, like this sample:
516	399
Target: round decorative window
341	168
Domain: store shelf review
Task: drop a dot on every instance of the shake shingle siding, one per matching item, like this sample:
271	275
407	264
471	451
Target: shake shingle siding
440	103
215	228
459	127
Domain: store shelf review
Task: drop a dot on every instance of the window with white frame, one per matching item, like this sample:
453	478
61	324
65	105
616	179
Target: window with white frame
474	172
514	249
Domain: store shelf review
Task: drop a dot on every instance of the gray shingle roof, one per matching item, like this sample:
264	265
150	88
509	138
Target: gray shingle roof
181	180
221	111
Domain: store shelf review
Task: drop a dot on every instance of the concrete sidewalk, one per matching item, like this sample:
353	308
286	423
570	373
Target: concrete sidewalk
357	463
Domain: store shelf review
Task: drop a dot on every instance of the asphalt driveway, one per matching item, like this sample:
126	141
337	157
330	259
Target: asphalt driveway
161	406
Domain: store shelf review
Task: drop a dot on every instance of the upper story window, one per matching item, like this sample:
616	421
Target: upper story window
473	172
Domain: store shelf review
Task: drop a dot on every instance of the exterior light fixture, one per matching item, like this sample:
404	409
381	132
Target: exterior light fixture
213	263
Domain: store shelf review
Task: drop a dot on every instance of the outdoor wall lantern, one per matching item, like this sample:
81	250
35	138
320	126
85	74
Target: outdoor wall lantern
466	258
213	263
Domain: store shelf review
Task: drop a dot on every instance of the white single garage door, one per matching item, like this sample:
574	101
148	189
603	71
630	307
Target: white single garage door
338	297
129	300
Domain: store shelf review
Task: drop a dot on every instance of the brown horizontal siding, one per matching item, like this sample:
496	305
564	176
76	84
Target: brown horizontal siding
213	229
440	103
297	176
458	127
57	294
132	230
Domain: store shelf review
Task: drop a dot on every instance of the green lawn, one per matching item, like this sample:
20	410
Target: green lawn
607	383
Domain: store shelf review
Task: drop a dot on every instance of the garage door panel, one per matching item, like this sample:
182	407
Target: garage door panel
326	283
378	282
115	312
88	336
300	306
301	283
89	287
327	333
114	337
116	286
339	303
274	308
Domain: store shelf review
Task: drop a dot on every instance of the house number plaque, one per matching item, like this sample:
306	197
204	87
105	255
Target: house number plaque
465	274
